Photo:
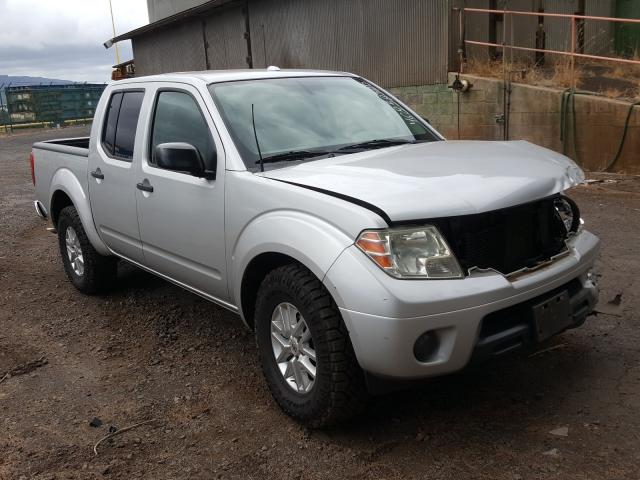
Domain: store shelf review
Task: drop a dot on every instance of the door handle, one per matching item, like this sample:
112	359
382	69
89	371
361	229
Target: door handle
145	187
97	174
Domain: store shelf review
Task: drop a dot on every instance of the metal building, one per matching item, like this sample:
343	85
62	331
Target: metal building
393	42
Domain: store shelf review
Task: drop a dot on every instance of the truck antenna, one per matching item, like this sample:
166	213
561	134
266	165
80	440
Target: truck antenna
255	134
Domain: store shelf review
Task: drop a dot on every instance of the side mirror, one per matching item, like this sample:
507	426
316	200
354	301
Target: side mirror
181	157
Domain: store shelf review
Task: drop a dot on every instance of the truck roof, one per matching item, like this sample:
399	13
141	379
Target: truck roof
214	76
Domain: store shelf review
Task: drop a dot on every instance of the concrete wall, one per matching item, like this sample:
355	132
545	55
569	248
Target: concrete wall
535	114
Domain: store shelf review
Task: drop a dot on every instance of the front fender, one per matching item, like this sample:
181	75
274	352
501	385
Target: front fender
311	241
64	180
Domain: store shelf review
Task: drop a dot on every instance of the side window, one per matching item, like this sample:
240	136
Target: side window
111	118
121	121
178	118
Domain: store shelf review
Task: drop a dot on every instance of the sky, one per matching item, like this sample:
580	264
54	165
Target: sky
63	39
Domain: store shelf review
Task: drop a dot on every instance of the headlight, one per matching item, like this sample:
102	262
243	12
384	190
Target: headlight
568	212
419	252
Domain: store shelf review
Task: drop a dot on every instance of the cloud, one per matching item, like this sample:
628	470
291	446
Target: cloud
63	38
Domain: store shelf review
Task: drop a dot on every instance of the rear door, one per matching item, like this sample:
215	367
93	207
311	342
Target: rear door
182	218
112	164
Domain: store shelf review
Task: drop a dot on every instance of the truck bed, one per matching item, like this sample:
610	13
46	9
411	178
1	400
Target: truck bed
61	161
73	146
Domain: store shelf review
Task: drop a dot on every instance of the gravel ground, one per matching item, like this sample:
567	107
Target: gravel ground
149	350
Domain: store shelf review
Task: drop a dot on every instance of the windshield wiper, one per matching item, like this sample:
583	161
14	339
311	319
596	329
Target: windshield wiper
379	143
303	154
292	155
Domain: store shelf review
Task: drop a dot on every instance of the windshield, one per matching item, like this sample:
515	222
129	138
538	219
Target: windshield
307	118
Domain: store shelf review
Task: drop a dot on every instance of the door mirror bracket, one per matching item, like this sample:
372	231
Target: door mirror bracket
208	175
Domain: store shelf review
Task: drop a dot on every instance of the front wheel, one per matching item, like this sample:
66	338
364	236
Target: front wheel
305	350
89	271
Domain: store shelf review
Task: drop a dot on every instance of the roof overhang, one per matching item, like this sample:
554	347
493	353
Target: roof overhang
191	12
124	64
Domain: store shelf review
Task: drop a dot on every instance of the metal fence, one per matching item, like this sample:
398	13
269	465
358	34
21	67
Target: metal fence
575	25
48	105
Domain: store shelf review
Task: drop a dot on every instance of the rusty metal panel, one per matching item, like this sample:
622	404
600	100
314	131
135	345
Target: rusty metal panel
177	47
399	43
227	46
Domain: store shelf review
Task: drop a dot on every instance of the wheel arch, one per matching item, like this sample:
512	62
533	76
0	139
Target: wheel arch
256	271
59	200
276	239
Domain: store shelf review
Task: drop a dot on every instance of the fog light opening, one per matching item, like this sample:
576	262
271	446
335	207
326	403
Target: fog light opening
426	346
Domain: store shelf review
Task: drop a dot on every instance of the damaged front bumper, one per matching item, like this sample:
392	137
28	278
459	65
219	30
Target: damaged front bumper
480	316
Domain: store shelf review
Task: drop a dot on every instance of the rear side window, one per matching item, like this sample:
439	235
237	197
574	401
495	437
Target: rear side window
111	118
179	119
127	124
121	123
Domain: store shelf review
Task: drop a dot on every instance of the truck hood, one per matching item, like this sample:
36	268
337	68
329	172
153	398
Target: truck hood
437	179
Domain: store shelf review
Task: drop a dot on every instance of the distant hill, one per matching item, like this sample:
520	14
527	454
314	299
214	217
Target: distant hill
17	81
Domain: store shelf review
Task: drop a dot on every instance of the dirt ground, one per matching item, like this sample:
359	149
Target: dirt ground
150	351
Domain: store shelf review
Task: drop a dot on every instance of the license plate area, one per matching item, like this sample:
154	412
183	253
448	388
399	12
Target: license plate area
552	315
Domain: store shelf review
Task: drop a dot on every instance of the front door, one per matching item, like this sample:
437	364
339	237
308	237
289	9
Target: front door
112	170
181	216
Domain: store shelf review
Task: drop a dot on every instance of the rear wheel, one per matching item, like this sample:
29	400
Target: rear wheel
306	354
89	271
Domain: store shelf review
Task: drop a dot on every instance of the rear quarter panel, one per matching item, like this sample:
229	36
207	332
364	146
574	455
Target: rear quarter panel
67	172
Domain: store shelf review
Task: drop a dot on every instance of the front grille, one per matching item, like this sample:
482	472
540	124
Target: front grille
506	240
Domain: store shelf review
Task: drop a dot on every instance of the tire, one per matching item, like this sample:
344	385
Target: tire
90	272
338	390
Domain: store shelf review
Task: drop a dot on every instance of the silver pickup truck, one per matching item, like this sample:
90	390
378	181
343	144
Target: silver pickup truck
357	243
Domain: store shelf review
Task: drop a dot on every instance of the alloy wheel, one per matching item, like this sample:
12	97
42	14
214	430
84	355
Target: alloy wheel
293	347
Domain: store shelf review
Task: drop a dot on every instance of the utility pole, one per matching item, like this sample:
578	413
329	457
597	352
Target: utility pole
113	25
2	114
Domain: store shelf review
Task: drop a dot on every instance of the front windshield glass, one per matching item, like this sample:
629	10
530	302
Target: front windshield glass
306	118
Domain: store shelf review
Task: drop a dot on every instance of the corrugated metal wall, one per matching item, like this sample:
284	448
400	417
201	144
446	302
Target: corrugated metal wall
600	36
227	47
394	43
175	48
159	9
520	30
476	27
398	43
558	30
